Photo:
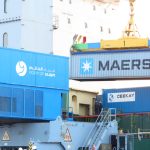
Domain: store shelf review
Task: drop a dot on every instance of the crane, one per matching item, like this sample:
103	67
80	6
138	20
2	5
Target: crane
131	30
130	39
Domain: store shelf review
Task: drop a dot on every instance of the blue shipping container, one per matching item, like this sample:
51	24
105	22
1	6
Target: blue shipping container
148	42
93	45
128	100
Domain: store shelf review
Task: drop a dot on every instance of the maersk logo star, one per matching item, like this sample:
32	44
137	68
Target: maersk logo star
86	66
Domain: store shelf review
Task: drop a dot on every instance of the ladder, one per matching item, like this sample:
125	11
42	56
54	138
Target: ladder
99	128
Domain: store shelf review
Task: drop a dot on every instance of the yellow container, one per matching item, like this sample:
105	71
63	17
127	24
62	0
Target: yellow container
112	44
135	42
124	43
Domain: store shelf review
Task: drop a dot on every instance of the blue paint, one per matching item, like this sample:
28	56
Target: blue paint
33	69
148	42
93	45
141	103
86	66
31	84
30	102
50	135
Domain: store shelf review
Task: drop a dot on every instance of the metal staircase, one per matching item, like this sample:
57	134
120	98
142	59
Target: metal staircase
99	129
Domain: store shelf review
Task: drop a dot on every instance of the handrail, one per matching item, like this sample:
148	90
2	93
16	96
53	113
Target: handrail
93	134
87	138
101	123
101	128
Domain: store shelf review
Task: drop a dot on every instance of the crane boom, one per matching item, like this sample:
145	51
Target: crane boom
131	30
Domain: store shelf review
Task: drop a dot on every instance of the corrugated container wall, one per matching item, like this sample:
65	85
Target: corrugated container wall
128	100
110	65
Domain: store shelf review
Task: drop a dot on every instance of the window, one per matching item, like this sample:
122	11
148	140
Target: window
18	102
84	109
5	39
93	106
5	99
5	104
94	7
85	25
74	104
38	103
14	104
101	28
65	101
29	103
109	31
70	1
69	20
5	6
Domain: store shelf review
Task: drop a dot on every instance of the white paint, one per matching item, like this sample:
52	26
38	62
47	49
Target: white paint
13	29
121	97
37	25
21	68
13	9
33	30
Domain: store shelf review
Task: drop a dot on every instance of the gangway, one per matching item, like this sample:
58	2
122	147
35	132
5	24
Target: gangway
99	130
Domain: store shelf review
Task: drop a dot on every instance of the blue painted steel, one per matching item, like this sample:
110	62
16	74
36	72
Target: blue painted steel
141	103
32	84
30	102
93	45
48	136
33	69
148	42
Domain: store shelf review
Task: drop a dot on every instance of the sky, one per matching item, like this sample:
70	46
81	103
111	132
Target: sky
142	11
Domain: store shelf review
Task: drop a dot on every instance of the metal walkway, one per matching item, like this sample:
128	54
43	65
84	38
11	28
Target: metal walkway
97	133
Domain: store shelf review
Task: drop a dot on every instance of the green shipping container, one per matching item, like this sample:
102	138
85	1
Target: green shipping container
131	124
80	46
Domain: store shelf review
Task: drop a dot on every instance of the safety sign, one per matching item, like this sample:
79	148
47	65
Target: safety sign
67	136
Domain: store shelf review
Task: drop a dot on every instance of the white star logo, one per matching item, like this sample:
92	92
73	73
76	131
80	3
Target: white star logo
86	66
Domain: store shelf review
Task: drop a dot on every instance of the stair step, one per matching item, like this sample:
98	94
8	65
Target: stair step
97	132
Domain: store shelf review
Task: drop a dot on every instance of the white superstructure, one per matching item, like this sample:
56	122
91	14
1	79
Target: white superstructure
26	24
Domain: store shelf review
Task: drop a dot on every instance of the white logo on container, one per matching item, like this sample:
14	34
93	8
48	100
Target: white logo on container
21	68
110	97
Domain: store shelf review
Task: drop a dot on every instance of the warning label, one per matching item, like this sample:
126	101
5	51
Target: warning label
67	136
5	136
